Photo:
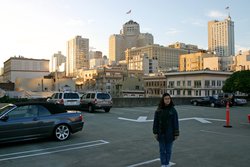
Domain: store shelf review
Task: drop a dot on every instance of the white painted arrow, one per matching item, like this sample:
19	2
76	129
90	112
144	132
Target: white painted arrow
202	120
139	119
144	119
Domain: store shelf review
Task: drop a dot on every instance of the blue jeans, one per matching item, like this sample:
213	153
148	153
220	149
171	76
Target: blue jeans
165	150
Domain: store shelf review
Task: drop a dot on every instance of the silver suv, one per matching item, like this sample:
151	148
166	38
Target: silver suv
68	99
96	100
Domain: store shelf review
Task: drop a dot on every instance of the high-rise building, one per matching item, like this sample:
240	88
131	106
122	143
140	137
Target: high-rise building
221	37
57	61
77	55
129	37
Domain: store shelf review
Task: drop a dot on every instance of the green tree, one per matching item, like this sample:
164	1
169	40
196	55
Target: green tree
238	81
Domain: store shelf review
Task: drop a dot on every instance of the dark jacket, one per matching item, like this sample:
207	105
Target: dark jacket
166	123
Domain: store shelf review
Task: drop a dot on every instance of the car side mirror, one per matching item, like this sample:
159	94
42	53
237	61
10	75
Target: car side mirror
4	118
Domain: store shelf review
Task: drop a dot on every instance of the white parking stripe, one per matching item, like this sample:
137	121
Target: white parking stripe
148	162
54	150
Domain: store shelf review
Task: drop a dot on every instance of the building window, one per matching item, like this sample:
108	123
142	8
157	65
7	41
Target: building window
188	83
171	84
197	84
213	83
218	83
178	83
207	83
196	93
189	92
171	92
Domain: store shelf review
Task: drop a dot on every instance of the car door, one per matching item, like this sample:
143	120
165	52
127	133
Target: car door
206	101
85	100
47	121
21	123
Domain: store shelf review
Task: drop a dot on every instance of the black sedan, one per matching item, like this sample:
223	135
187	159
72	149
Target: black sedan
22	121
208	101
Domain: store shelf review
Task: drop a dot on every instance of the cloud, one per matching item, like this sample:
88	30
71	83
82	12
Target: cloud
75	22
195	22
216	14
199	23
172	31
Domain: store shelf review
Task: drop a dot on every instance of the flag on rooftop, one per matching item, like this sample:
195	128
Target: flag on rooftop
128	12
227	7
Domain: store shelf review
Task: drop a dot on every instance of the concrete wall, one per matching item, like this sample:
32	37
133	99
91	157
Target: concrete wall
140	102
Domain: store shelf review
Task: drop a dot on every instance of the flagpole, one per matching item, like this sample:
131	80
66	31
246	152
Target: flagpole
227	8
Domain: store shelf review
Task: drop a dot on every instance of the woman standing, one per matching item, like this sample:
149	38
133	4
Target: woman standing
166	128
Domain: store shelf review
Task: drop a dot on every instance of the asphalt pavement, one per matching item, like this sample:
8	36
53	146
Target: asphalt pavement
123	138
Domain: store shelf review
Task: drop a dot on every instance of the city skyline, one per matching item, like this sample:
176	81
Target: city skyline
38	29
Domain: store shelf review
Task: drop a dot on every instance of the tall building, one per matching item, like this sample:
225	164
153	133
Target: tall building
129	37
57	61
77	55
221	37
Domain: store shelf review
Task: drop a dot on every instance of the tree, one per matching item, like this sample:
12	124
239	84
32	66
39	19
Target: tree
238	81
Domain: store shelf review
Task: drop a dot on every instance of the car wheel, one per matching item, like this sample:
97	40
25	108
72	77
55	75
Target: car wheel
107	109
195	103
212	105
91	108
62	132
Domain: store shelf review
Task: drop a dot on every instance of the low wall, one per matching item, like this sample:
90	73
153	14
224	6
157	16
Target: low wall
140	102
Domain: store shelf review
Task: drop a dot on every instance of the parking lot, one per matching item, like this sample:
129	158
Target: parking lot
123	138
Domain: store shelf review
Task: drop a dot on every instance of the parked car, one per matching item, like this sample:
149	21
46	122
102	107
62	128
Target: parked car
96	100
208	101
67	99
240	101
30	120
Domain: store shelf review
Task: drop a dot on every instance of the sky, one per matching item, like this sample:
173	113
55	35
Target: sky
39	28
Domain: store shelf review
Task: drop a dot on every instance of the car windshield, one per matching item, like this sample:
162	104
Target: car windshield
103	96
71	96
6	108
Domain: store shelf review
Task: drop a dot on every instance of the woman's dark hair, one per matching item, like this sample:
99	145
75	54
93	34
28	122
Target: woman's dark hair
162	104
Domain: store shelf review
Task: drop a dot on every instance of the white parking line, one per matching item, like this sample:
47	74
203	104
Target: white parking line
148	162
32	153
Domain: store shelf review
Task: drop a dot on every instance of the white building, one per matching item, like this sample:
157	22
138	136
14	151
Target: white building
196	83
57	62
97	60
95	63
1	70
20	67
143	63
221	37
